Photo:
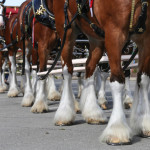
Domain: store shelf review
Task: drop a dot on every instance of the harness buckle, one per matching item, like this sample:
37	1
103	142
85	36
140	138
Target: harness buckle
143	3
91	25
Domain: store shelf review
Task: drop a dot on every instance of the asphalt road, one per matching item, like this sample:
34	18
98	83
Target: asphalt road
22	130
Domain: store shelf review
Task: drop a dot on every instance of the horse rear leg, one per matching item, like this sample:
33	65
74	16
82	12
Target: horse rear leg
117	131
13	88
127	97
1	71
53	94
5	86
34	72
101	79
91	111
28	97
140	115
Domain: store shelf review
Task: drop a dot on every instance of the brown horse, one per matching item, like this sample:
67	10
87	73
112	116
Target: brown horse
11	36
47	40
113	17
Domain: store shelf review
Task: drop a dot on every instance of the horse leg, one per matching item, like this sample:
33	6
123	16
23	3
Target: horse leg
140	115
53	94
65	113
117	131
28	97
1	84
34	72
13	89
91	111
40	104
128	99
80	84
97	80
101	93
5	86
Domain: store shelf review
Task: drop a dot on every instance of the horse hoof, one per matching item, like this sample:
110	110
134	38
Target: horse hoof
39	107
63	123
104	106
34	110
77	109
27	104
127	105
13	92
96	122
2	91
116	142
145	134
55	97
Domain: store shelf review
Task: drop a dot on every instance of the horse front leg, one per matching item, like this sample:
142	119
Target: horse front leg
5	86
91	111
28	98
65	113
140	115
13	88
117	131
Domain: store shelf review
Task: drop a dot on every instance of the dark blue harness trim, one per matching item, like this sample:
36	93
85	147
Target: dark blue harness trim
42	14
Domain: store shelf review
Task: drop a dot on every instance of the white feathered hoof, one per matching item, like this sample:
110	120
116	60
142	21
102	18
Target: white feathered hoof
127	105
2	90
117	134
13	92
127	102
39	107
145	127
64	117
104	106
77	108
54	96
5	86
94	117
96	121
103	103
27	100
145	134
141	125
